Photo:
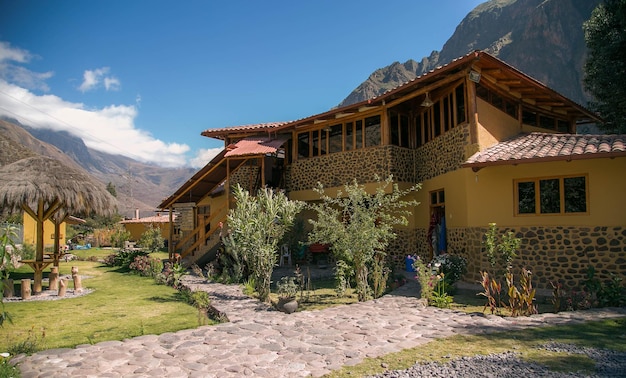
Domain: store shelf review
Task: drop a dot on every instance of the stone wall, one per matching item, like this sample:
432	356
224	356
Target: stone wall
444	154
338	169
441	155
560	253
247	176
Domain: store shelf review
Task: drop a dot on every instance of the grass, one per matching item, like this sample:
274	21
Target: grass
121	306
607	334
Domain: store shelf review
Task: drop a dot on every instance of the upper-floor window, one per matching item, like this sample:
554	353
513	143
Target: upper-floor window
551	195
447	112
530	116
355	134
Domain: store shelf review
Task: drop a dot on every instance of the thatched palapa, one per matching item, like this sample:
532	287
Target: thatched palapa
44	187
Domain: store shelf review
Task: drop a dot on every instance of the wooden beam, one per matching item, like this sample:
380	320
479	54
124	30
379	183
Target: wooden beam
428	88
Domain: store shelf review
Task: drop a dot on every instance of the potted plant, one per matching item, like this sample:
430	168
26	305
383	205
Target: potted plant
287	290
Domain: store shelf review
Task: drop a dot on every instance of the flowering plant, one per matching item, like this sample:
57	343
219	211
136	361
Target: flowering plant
452	266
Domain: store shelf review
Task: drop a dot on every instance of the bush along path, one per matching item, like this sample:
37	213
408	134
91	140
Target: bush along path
258	341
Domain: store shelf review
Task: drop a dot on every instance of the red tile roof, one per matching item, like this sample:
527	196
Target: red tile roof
154	219
536	147
269	126
254	146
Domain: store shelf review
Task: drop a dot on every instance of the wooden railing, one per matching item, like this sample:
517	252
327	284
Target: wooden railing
199	240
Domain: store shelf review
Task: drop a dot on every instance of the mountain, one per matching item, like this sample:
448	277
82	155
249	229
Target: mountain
138	185
542	38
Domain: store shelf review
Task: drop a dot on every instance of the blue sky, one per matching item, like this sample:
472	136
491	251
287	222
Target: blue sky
144	78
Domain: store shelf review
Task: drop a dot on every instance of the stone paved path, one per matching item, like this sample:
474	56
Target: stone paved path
261	342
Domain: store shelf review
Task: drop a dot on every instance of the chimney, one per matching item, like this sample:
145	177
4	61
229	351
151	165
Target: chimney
136	213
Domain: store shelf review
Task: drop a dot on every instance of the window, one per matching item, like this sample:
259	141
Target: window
553	195
372	131
437	198
529	116
349	136
303	145
447	112
334	140
330	139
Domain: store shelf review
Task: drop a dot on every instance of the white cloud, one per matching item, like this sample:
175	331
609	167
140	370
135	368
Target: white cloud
110	129
13	54
203	156
19	75
93	78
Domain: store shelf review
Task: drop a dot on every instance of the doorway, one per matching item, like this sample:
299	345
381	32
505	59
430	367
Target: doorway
437	238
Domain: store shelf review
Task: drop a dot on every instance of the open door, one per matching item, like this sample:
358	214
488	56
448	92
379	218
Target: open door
437	237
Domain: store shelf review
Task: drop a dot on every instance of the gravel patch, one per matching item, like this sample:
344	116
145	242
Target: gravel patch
608	364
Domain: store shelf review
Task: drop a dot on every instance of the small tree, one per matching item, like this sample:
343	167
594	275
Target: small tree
8	233
119	236
151	240
501	251
256	226
359	226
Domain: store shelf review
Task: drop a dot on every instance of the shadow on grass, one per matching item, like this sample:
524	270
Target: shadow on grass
176	297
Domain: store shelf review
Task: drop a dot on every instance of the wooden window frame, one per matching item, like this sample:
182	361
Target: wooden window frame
536	181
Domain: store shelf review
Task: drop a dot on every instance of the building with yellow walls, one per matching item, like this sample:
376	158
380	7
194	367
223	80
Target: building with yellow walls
488	143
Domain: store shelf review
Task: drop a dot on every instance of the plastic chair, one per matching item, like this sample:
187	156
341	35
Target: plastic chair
285	256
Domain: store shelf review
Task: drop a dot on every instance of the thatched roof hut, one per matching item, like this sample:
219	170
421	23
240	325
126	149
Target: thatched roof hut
39	178
44	187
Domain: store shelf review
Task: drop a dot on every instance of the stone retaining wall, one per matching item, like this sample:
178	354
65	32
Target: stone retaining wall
560	253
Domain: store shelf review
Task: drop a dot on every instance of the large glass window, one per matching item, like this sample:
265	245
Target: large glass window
554	195
335	136
530	116
349	136
340	137
303	145
447	112
372	131
459	95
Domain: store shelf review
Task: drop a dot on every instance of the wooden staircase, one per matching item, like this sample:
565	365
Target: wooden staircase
200	241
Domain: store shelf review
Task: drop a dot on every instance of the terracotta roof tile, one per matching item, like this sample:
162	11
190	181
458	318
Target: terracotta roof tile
154	219
533	147
234	129
255	146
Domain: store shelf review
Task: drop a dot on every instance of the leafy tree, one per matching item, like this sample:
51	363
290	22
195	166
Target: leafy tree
8	233
605	69
111	189
359	226
119	236
257	225
151	240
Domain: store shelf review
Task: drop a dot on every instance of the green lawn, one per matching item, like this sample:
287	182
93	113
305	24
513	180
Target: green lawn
121	306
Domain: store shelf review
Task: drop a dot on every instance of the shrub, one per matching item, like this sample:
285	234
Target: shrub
170	275
452	266
425	277
151	240
119	236
287	288
146	266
